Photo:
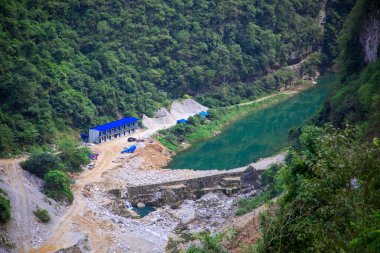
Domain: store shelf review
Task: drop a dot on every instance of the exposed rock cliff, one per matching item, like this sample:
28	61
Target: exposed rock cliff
370	36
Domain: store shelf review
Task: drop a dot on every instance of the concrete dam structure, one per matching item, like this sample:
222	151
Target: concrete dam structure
170	193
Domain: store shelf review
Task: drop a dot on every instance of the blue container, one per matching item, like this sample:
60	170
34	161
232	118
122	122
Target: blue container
180	121
131	149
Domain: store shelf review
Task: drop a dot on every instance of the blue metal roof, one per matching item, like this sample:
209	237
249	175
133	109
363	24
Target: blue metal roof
115	123
182	121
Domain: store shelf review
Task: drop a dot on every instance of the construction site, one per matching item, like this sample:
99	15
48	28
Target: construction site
104	217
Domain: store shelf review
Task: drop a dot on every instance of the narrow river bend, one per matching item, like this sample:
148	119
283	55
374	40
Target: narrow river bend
259	134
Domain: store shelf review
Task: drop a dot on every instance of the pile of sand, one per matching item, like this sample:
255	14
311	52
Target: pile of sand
155	156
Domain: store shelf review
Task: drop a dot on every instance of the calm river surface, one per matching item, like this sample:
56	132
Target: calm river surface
257	135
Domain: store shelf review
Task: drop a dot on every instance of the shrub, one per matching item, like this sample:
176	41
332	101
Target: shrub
241	211
72	155
5	241
195	120
57	186
209	244
214	114
40	164
5	208
42	215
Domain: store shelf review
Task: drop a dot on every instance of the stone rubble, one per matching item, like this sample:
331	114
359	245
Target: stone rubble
208	213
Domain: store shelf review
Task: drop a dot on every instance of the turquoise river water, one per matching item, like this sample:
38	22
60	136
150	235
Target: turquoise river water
257	135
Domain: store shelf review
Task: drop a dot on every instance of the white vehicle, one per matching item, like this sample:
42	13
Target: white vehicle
91	166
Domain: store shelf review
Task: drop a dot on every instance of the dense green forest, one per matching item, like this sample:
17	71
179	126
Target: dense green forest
331	180
67	65
358	97
72	64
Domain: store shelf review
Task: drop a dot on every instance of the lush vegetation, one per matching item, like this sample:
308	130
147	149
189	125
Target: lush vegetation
70	156
200	128
331	201
336	15
57	186
41	163
71	64
5	208
282	78
42	215
209	244
358	97
51	167
331	183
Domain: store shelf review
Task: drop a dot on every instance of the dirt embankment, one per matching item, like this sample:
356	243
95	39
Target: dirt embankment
247	229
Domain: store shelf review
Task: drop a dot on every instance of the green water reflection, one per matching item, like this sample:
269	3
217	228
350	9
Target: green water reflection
259	134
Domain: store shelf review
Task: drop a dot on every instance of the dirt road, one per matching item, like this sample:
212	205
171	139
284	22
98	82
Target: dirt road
78	218
21	201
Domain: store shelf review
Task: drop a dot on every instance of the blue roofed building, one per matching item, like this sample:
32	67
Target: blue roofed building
112	130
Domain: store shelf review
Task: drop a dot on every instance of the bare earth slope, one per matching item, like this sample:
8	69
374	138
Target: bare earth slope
24	192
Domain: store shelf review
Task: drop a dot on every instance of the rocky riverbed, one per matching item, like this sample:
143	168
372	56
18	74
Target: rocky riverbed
170	227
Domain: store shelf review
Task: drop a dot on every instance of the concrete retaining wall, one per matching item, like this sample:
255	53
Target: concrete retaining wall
172	192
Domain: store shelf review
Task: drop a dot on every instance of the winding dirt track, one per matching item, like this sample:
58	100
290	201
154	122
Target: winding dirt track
77	217
21	201
23	220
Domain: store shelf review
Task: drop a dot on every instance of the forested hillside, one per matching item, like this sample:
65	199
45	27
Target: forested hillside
71	64
331	181
357	100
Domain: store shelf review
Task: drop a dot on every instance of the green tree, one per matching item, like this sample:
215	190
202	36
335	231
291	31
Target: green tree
42	215
5	208
332	194
41	163
73	155
7	139
57	186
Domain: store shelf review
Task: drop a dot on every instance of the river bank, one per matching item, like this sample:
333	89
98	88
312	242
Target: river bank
222	117
256	134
